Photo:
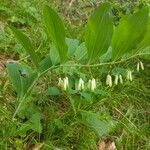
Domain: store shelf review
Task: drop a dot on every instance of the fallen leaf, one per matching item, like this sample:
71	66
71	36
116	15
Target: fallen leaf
106	145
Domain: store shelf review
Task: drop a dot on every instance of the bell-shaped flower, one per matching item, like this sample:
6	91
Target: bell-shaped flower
93	84
80	85
60	82
131	78
129	75
120	79
116	79
65	83
142	66
138	67
109	80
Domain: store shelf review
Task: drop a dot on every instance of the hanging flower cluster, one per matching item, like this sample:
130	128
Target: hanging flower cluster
118	79
91	85
80	86
64	84
129	75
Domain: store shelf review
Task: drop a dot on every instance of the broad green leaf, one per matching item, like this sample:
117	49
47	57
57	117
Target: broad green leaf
21	131
15	77
146	41
101	125
35	122
53	91
81	52
54	56
129	33
32	124
27	77
21	77
72	45
45	64
26	43
99	32
55	31
28	81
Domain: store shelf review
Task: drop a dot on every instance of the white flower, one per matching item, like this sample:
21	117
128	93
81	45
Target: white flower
116	79
65	83
138	67
60	82
80	85
142	66
109	80
120	78
129	75
93	84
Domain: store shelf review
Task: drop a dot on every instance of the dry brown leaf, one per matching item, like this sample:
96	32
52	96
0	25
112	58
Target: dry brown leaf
38	146
106	145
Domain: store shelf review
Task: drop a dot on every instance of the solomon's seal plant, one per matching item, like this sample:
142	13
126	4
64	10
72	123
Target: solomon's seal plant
104	46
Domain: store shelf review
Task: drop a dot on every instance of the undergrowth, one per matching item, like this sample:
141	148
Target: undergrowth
51	118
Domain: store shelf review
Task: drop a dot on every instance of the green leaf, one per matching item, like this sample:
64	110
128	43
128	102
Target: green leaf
21	131
35	122
21	77
99	32
54	56
129	33
14	74
101	125
45	64
55	31
146	41
72	45
26	43
81	52
53	91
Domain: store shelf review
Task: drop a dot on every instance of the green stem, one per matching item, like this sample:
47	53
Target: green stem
103	64
22	99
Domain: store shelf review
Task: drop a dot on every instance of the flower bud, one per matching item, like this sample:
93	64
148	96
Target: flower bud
80	85
60	82
116	79
129	75
138	67
120	78
109	80
65	83
142	66
93	84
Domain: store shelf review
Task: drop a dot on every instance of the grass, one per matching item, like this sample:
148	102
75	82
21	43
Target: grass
49	120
